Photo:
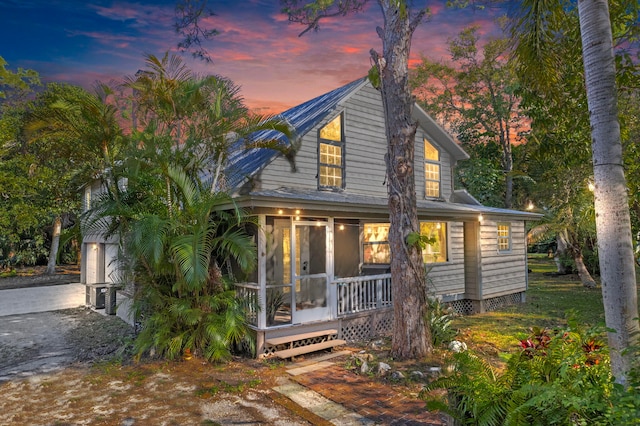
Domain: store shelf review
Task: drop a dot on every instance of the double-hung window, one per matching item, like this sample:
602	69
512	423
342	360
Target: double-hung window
504	237
331	155
431	170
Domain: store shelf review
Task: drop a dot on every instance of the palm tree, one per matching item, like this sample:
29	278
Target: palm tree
76	133
536	31
613	223
177	233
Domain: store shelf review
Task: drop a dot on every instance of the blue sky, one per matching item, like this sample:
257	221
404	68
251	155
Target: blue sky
81	42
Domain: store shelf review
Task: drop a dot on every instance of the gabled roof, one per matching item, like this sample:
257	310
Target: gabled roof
443	138
243	163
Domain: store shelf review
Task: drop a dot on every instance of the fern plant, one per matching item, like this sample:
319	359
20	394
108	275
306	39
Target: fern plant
561	377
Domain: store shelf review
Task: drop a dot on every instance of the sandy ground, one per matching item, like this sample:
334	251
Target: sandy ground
65	368
74	367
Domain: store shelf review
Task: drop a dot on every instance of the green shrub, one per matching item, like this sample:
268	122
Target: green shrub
439	318
561	378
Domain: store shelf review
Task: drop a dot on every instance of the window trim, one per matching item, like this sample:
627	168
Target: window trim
508	238
341	145
437	163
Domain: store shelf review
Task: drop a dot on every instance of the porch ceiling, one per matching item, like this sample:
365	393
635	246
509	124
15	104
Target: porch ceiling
356	205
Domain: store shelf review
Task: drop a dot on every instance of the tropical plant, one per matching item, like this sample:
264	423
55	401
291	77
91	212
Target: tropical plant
183	298
439	319
182	240
559	377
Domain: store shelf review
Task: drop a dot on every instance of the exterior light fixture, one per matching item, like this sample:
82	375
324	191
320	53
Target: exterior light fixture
530	206
280	211
297	212
341	227
591	186
480	218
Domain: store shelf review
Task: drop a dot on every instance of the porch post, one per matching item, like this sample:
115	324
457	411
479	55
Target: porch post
262	273
333	289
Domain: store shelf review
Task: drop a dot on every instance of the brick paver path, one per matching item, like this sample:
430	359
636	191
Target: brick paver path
377	402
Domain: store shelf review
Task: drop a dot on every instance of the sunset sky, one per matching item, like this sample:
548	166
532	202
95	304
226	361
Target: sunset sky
81	42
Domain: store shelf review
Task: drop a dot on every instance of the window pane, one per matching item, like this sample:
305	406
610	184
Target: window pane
376	232
376	243
436	252
430	152
330	154
330	176
504	237
333	130
432	179
376	253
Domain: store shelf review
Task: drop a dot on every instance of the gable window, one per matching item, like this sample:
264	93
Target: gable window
331	155
436	250
504	237
431	170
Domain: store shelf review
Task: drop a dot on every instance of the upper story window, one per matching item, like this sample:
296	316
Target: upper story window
431	170
504	237
331	155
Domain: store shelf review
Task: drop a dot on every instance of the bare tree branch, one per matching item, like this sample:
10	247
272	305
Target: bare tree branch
310	13
188	24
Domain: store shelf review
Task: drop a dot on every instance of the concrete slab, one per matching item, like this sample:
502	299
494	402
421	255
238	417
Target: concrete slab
41	299
319	405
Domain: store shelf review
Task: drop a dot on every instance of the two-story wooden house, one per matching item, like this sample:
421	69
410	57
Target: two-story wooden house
323	254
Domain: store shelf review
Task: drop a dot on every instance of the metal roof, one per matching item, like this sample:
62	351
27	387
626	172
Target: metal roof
336	202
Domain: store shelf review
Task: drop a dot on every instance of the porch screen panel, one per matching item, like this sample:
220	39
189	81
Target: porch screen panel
278	272
311	289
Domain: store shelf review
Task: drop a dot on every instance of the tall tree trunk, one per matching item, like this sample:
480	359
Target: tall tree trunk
561	251
613	225
583	272
411	335
55	243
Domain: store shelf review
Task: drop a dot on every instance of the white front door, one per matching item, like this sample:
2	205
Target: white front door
310	268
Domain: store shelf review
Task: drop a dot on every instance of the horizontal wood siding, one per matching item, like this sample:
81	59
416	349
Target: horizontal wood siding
366	144
502	273
278	173
448	278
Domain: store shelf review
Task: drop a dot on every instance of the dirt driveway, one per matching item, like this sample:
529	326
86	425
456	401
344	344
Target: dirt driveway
63	368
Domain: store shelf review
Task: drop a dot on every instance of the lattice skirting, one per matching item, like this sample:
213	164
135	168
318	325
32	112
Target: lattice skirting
469	307
366	325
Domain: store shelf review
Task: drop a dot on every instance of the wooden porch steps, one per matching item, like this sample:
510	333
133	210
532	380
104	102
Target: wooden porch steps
301	349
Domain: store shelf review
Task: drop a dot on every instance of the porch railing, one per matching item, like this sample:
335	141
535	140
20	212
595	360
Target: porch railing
248	293
359	294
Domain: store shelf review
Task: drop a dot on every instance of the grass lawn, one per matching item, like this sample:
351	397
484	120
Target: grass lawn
549	300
